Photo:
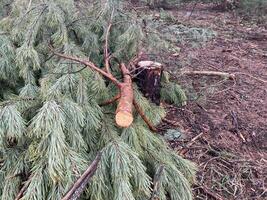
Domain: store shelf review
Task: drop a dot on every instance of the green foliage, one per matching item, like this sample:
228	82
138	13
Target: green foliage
172	92
51	124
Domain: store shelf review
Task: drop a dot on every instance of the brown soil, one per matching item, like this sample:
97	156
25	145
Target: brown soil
231	114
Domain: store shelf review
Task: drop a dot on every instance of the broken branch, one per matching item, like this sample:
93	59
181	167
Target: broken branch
78	187
209	73
106	54
185	149
143	116
90	65
156	183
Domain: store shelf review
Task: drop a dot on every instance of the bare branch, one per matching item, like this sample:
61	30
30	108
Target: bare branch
106	53
79	186
88	64
142	114
24	188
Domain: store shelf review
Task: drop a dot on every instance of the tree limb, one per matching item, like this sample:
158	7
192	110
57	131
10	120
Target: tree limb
184	150
124	116
90	65
209	73
143	116
106	54
79	186
124	113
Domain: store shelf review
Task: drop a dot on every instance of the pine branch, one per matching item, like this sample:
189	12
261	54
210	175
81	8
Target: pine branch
79	186
29	5
13	101
156	183
74	72
88	64
23	189
106	54
142	114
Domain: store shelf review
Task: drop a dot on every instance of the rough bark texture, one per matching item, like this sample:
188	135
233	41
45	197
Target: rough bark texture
148	79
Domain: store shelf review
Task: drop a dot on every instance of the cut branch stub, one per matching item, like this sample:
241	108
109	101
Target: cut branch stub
124	112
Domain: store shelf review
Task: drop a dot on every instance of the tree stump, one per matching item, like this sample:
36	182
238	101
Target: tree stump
148	79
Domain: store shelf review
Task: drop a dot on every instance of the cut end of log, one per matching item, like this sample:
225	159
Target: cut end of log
145	64
124	119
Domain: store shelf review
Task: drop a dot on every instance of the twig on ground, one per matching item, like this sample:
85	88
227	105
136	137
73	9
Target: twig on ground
253	77
194	6
29	5
209	73
185	149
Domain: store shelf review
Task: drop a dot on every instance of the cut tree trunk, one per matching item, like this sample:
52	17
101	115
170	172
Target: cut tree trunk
148	79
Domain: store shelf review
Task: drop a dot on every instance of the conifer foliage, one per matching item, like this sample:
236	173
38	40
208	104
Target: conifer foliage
52	120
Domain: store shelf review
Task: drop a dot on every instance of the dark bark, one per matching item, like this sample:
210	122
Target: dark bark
148	79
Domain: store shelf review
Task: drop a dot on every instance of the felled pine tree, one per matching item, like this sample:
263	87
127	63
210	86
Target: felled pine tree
67	101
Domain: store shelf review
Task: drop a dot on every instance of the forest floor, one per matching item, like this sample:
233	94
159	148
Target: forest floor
229	116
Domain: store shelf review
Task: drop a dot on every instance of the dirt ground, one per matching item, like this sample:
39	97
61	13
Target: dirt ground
228	115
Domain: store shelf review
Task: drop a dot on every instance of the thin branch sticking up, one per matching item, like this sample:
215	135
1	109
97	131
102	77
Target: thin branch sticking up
79	186
106	53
